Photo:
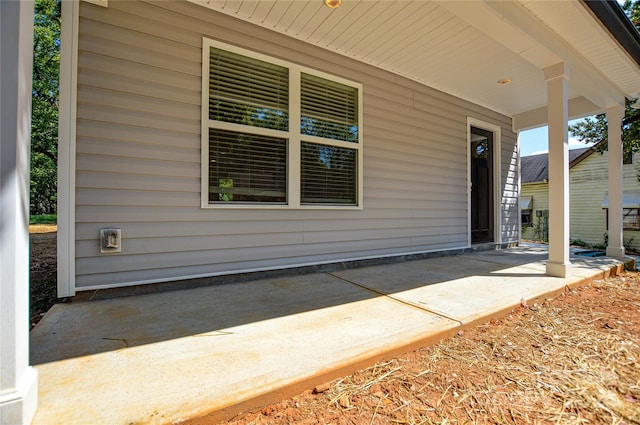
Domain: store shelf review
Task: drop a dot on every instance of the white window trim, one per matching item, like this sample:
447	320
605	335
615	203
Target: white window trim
293	135
497	173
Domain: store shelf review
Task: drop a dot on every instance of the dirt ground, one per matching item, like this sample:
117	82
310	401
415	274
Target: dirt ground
43	269
574	359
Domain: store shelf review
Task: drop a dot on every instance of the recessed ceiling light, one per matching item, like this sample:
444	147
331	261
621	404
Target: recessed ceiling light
333	4
504	81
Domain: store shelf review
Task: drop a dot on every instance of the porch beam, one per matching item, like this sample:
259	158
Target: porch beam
579	107
18	381
615	246
556	77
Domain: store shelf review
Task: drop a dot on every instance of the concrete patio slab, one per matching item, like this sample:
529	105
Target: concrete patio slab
166	357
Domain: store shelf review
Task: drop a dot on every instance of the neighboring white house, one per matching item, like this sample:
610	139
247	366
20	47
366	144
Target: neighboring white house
588	199
202	138
534	194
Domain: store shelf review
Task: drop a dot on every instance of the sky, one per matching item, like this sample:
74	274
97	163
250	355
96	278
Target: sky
536	141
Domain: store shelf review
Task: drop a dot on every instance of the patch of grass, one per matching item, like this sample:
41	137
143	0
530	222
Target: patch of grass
43	219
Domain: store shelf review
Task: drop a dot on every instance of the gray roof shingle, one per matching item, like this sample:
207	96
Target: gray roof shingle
534	168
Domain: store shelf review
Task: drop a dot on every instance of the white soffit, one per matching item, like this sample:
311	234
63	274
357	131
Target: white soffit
594	42
461	48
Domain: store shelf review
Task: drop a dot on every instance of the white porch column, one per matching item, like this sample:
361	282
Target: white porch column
614	127
18	381
558	117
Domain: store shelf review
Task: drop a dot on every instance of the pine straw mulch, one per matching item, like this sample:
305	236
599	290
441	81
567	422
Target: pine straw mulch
574	359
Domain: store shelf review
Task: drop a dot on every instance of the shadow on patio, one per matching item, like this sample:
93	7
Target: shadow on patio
166	357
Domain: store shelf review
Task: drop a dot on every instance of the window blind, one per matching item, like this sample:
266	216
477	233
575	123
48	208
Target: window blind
246	167
250	163
328	109
328	174
247	91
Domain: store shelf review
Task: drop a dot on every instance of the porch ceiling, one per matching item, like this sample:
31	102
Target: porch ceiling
465	48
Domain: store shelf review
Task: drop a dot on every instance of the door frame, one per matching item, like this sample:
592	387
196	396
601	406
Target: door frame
497	192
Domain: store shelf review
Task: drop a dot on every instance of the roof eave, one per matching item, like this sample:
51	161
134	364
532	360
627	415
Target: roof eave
615	20
584	155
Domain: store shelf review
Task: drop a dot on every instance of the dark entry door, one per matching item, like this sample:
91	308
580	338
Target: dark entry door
481	185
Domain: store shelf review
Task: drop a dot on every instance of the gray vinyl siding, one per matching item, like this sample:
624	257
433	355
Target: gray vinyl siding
138	157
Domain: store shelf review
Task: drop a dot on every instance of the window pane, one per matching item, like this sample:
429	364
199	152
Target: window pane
247	91
328	109
246	168
630	219
328	174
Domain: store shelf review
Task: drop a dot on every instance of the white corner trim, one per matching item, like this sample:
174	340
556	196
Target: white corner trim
67	148
103	3
468	163
497	176
519	187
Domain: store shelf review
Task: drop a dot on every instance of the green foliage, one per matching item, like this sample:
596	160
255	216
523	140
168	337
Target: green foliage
44	120
43	219
541	230
604	244
594	129
578	242
632	8
628	244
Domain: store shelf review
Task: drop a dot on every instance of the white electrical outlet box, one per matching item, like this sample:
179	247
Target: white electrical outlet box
110	241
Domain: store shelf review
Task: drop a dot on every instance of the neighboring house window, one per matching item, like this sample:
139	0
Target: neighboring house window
526	217
627	158
526	204
630	218
278	134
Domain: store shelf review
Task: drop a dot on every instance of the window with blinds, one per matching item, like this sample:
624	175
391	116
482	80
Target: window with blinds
253	151
328	109
328	175
246	167
247	91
